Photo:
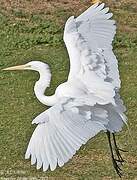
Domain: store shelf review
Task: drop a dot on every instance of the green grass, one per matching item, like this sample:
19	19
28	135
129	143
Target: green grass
25	37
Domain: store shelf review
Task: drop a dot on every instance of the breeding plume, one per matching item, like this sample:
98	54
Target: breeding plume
88	102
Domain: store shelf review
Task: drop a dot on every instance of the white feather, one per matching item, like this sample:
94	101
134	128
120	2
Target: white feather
61	136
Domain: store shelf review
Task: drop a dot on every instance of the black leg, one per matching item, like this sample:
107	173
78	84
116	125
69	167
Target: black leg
115	161
117	150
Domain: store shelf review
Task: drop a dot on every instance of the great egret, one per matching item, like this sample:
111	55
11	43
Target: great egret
88	102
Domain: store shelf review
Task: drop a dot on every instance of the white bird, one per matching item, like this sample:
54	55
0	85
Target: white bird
88	102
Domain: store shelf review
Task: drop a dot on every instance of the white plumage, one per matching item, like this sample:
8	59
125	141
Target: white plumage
88	102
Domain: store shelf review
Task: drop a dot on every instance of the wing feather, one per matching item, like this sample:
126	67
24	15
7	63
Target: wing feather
55	141
91	31
44	156
59	150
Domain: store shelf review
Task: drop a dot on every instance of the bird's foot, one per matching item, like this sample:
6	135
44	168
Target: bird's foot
120	158
117	151
118	161
118	154
117	166
122	150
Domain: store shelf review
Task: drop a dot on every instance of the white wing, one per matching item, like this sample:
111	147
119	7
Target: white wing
63	128
61	131
88	39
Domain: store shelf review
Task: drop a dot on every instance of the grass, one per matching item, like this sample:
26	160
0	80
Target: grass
37	35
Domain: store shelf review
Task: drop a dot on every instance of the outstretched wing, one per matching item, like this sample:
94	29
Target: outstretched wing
61	131
88	39
63	128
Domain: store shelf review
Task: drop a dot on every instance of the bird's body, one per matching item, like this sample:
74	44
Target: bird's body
88	102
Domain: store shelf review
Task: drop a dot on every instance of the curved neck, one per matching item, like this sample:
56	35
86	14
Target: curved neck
41	85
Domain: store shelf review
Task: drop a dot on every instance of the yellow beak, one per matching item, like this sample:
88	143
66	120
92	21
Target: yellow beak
20	67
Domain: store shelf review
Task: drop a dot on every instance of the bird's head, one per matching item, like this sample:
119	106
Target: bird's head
32	65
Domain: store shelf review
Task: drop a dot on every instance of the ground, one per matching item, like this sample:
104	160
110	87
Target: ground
33	30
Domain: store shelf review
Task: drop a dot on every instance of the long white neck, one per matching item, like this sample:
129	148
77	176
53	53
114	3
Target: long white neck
41	85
